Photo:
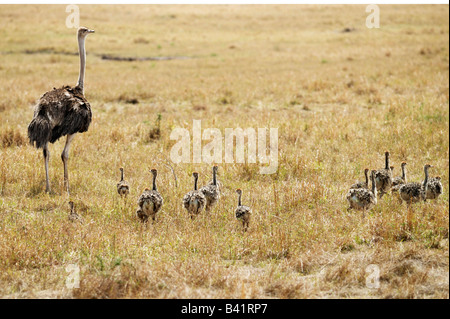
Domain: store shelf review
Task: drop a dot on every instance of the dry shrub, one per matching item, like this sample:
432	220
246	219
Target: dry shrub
4	106
154	133
141	40
286	290
124	98
122	282
116	136
11	137
227	98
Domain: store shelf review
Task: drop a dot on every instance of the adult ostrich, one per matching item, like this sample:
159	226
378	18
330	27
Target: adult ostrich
60	112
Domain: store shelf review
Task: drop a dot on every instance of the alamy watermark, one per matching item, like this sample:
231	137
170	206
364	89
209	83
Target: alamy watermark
73	19
373	276
222	148
373	19
73	279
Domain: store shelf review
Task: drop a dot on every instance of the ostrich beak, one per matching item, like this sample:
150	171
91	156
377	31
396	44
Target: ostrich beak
91	31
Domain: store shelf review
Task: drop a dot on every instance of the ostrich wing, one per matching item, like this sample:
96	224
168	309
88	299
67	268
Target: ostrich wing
75	112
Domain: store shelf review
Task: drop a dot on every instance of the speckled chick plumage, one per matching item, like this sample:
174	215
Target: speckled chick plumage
362	184
194	201
415	192
122	186
383	177
211	191
150	202
362	198
73	216
400	179
242	213
435	188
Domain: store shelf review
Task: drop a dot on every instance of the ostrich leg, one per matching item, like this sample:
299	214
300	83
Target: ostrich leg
65	159
46	158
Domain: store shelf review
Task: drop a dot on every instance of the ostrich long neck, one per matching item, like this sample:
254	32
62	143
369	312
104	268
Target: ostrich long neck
214	177
239	200
154	182
387	162
404	173
82	51
425	182
374	186
121	175
195	182
367	177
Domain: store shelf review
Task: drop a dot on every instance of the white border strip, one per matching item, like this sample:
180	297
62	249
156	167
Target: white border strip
226	2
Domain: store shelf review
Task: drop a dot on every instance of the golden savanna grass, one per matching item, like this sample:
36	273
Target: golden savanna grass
339	100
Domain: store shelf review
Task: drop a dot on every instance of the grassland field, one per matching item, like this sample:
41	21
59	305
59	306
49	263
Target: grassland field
339	100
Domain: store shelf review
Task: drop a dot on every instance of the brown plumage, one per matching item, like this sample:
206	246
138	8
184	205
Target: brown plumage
243	213
211	191
362	184
195	200
73	216
415	192
150	202
362	198
143	217
61	112
122	186
400	179
435	188
383	177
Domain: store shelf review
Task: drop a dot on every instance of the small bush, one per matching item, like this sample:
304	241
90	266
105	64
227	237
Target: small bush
11	137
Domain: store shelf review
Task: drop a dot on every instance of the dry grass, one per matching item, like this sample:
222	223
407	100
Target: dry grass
339	99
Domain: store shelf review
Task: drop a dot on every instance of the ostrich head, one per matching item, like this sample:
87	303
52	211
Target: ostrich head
83	32
239	191
154	171
404	164
366	170
71	205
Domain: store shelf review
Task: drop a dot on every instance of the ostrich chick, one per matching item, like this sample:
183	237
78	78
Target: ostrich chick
195	200
435	188
415	192
73	216
122	187
211	191
383	177
361	198
362	184
150	202
243	213
400	179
